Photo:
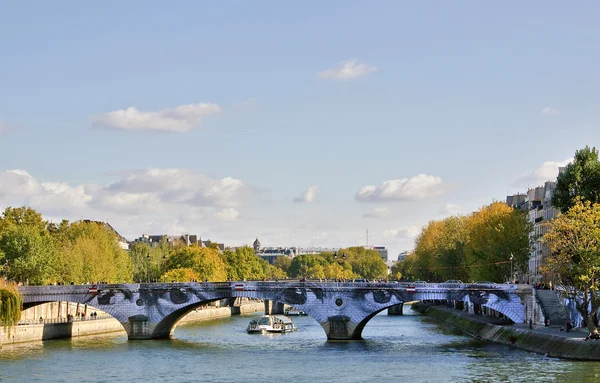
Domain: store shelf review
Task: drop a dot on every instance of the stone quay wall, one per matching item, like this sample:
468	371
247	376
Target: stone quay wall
104	324
530	340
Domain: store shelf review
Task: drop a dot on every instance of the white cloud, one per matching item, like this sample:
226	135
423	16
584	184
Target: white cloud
416	188
450	209
227	214
549	110
309	195
378	212
138	198
178	120
347	69
403	232
548	171
182	186
19	187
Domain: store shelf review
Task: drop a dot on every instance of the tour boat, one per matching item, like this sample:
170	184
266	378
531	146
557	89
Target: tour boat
290	311
271	323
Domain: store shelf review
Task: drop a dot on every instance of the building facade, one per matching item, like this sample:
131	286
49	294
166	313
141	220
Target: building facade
537	202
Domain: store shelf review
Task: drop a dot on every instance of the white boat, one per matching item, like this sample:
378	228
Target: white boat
293	312
271	323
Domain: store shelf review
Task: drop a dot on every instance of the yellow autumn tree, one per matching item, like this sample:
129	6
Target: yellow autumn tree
207	263
496	232
181	275
574	241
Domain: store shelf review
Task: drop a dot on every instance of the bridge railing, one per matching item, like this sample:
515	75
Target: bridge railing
262	285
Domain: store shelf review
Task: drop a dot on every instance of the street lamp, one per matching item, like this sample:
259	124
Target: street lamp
164	263
148	268
511	268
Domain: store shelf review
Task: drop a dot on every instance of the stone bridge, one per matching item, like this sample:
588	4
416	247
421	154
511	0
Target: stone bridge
151	310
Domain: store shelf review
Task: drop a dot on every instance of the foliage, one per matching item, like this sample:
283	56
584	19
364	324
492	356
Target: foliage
89	252
496	232
283	263
206	262
581	179
149	263
244	264
574	241
29	254
351	263
11	303
181	275
21	216
474	247
365	263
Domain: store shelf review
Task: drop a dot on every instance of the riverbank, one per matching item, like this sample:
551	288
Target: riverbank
548	341
106	324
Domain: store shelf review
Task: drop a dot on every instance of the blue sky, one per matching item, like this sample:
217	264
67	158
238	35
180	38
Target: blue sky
303	124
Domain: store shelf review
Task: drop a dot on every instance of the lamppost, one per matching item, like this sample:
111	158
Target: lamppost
511	268
335	257
164	264
148	268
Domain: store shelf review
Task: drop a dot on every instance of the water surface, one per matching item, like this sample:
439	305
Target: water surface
408	348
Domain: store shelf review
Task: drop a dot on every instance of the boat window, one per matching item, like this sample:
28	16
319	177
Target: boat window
264	320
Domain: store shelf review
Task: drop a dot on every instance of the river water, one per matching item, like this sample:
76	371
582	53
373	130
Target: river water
409	348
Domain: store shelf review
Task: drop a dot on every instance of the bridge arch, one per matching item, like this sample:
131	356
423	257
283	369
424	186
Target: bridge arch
341	309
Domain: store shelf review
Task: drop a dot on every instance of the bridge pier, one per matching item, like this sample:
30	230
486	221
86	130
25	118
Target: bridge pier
274	308
396	310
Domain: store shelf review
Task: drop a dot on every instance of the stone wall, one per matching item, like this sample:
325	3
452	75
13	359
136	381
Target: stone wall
541	343
37	332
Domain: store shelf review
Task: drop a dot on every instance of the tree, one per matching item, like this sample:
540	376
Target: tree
283	263
243	264
181	275
206	262
11	303
581	178
474	247
574	241
29	254
22	216
149	263
370	265
496	232
89	251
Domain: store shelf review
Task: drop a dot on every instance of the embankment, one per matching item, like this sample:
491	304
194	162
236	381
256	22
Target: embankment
45	331
530	340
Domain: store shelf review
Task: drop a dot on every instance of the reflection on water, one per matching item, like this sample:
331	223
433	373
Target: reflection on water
410	348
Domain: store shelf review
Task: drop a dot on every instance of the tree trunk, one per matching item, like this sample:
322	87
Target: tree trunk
589	314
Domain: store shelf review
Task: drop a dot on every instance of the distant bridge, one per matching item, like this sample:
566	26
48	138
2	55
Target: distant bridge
151	310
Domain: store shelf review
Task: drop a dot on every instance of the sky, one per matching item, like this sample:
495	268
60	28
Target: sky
303	124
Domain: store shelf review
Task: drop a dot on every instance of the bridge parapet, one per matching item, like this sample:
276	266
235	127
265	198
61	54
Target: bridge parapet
151	310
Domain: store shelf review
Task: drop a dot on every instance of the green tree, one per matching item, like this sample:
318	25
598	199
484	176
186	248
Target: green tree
89	252
574	241
581	179
21	216
283	263
29	254
149	262
369	265
11	303
243	264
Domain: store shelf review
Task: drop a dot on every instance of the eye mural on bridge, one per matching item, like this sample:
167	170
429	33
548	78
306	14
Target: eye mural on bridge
342	312
342	309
